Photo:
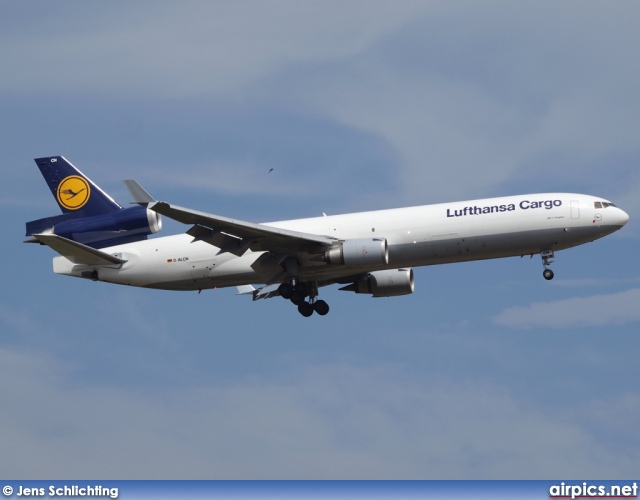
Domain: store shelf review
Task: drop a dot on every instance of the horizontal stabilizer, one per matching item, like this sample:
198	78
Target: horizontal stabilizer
77	252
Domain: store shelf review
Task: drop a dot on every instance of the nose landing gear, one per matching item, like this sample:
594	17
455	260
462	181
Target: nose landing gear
546	255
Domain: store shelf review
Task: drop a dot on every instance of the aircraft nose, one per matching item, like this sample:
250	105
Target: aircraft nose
622	217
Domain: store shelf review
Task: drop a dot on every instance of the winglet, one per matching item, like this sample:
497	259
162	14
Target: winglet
138	194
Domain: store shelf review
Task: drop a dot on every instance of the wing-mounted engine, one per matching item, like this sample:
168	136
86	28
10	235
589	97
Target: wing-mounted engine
388	283
103	230
363	252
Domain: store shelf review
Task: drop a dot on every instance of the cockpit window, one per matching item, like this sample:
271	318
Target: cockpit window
603	204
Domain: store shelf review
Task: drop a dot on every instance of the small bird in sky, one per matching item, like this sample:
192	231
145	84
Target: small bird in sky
270	170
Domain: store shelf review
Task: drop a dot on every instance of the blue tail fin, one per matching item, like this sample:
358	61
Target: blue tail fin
89	215
75	192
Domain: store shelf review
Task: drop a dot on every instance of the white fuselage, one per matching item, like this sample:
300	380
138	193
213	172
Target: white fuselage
416	236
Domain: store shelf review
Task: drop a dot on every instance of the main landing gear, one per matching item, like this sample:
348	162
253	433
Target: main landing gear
298	292
546	255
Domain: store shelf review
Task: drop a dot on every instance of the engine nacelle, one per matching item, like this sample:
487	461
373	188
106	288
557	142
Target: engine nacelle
99	231
363	252
388	283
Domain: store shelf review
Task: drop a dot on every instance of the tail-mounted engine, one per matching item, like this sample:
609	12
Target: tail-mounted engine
388	283
359	253
99	231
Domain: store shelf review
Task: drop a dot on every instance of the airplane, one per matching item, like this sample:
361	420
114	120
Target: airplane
368	252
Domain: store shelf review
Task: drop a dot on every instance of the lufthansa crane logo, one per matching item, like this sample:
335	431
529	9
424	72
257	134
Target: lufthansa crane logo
73	192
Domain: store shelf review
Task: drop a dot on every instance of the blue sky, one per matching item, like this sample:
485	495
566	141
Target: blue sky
486	371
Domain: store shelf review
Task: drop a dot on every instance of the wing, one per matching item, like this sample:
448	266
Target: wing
77	252
232	235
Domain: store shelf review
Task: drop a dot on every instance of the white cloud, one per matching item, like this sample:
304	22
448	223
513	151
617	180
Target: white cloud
597	310
470	96
324	422
195	48
596	282
468	110
616	414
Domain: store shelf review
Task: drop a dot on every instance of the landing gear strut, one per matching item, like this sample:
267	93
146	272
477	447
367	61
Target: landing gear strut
297	292
546	255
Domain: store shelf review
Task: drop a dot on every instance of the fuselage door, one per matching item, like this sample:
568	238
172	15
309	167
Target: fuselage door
575	209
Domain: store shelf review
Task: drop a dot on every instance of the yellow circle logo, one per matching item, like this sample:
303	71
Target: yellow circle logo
73	192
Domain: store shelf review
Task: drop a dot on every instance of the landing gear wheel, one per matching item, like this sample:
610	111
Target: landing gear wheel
321	307
546	256
305	309
296	298
285	290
